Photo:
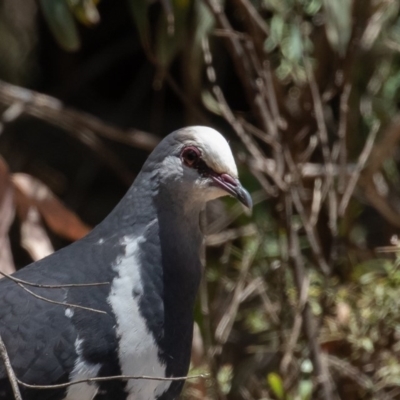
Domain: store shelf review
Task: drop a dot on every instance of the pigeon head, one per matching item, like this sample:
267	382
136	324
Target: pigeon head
197	163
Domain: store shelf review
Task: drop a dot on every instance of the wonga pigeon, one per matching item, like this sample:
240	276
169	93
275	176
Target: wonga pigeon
147	252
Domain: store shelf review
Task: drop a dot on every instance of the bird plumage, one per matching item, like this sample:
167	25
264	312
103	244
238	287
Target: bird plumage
147	249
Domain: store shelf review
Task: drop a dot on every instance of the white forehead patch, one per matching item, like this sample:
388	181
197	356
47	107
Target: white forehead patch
215	149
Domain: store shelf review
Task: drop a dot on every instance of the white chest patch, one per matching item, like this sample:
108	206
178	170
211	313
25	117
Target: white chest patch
82	370
138	354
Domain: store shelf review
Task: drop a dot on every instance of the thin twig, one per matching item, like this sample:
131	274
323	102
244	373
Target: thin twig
240	61
226	323
112	378
305	170
326	153
59	302
316	202
309	325
342	131
228	235
256	17
40	285
10	372
362	160
297	325
346	369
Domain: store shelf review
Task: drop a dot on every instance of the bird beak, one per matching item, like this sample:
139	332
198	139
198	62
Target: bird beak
234	188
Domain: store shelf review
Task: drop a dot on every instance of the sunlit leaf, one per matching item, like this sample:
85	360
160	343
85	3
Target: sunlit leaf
210	102
61	23
276	384
85	11
305	389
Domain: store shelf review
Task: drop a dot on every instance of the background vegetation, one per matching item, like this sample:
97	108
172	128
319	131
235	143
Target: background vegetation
301	299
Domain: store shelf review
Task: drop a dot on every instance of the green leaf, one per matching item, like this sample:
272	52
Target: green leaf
139	13
276	385
305	389
61	23
338	24
210	103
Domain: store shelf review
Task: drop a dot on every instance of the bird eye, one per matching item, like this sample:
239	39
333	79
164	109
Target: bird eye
190	156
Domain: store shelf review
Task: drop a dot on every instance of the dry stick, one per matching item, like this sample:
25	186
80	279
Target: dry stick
309	325
296	198
308	152
246	139
349	371
380	152
268	188
265	137
316	201
225	220
294	175
53	111
40	285
305	170
10	372
362	160
59	302
225	325
262	292
319	113
380	203
226	111
342	132
240	61
205	310
111	378
298	322
384	148
228	235
256	17
312	238
268	119
323	137
82	126
273	104
246	72
271	95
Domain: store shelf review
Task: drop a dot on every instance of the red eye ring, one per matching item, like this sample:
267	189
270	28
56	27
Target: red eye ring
190	156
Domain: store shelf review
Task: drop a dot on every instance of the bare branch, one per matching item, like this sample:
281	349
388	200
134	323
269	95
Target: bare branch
342	131
226	323
309	325
10	372
360	165
39	285
53	111
255	16
217	239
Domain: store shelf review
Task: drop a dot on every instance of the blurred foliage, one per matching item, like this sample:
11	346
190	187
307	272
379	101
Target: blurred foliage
290	71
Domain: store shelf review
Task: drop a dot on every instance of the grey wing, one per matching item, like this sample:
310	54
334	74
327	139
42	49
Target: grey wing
38	337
